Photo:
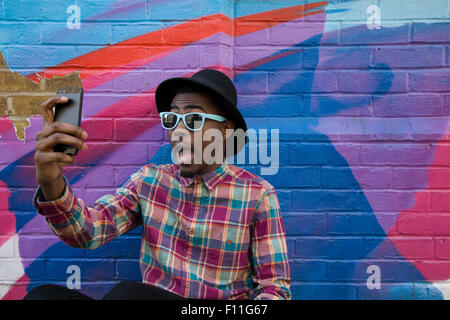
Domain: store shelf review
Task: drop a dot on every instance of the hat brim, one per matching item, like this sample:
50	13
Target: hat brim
166	91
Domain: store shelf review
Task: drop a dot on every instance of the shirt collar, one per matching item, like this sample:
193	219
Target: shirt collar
211	178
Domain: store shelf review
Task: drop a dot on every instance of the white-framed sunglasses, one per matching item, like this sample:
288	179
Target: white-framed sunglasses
193	121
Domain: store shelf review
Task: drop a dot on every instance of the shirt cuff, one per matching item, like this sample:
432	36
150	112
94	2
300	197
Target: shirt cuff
58	210
268	296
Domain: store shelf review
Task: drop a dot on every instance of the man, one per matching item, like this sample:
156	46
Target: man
211	230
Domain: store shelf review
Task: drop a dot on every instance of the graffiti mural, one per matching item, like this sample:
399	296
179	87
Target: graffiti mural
359	91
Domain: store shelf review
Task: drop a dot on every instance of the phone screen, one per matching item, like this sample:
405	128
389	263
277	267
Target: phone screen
70	112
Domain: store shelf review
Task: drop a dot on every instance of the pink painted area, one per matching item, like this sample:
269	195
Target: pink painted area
429	217
7	218
5	124
18	290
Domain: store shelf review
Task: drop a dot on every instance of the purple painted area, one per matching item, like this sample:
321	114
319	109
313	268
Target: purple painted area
386	200
120	8
29	247
98	176
20	148
130	153
374	178
91	195
404	105
410	178
245	55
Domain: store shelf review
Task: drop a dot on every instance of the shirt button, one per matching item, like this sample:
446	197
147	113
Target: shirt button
197	203
158	220
191	232
229	241
187	284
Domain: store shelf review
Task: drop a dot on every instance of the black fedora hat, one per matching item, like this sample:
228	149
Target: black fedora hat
212	81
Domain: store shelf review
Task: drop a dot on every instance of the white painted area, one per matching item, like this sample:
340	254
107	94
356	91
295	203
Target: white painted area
11	268
9	248
444	287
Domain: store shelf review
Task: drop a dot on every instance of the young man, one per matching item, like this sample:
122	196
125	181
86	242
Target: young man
211	230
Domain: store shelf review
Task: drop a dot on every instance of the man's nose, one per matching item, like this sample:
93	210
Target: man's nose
181	125
180	129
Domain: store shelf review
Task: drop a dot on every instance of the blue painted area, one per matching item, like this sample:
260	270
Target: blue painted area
250	7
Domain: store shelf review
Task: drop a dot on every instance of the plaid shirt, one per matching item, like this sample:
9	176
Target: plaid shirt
215	236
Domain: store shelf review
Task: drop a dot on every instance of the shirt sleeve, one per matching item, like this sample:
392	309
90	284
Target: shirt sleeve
269	251
81	226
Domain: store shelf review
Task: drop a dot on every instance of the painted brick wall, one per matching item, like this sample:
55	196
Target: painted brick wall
359	91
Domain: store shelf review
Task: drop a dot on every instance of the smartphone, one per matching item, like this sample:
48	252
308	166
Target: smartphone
69	112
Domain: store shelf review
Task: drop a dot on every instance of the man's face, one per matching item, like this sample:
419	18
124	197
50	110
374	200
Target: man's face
195	102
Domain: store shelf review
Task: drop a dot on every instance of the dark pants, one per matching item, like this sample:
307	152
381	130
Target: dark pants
126	290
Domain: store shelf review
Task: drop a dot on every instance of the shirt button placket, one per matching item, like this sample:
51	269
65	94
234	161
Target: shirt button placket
191	231
188	257
187	280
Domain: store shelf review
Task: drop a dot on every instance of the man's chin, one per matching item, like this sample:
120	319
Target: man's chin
187	170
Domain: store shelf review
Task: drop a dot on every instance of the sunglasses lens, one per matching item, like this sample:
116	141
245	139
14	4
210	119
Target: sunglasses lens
169	120
194	121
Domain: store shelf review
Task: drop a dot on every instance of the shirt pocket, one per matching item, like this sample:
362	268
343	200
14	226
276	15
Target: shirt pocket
161	227
229	242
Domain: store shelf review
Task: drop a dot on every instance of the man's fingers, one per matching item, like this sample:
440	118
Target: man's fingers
50	142
49	157
62	127
47	108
